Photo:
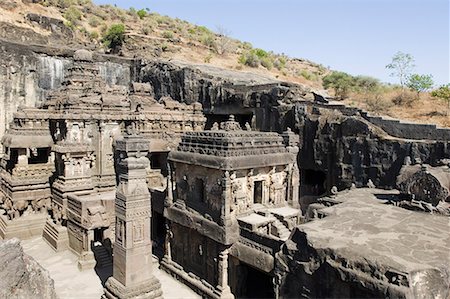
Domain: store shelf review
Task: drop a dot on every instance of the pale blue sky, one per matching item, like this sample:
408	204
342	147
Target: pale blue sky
356	36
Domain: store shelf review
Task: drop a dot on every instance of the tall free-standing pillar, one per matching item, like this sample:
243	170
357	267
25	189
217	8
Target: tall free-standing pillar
132	264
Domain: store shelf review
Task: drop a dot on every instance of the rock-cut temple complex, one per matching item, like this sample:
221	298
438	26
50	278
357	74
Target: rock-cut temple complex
240	186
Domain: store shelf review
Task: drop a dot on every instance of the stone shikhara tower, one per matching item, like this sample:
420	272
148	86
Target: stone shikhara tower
132	270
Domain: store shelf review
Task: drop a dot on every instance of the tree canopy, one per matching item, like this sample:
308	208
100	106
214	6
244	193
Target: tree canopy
420	83
115	36
401	66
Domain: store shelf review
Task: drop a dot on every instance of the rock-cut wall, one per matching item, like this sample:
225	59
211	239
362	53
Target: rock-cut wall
29	73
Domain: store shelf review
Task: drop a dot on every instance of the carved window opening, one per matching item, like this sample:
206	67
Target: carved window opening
13	159
38	156
258	192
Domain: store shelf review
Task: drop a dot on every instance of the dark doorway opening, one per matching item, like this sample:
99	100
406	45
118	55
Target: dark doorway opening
257	192
158	160
313	182
98	234
158	233
252	283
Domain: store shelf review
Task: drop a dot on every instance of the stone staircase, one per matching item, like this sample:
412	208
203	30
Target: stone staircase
281	230
102	256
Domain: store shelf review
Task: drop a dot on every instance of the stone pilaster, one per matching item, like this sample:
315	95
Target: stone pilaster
132	264
223	287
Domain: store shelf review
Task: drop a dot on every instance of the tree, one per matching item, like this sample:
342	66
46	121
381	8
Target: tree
224	42
443	93
366	84
114	37
341	82
401	66
420	83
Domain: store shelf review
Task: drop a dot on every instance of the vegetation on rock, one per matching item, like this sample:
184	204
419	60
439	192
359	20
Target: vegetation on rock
115	36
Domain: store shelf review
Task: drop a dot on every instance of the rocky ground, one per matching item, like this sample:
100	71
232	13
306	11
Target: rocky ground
20	275
71	283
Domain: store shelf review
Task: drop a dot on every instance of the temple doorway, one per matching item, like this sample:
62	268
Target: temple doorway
249	282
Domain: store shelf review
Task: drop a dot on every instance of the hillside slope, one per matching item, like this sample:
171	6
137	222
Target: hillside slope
80	23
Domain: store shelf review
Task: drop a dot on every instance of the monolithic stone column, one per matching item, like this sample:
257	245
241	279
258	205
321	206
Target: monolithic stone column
132	264
223	287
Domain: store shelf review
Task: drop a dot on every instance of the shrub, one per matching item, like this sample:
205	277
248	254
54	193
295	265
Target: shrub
73	15
115	36
443	93
208	58
93	35
141	13
377	105
208	40
250	59
267	62
310	76
167	34
247	46
203	30
280	63
366	84
65	3
340	82
260	53
404	98
93	21
420	83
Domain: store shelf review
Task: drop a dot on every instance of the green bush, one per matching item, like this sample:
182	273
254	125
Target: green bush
115	36
266	62
250	59
141	13
340	82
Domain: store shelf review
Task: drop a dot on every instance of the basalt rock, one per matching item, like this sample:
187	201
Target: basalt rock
20	275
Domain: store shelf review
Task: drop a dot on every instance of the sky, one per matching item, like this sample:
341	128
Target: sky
356	36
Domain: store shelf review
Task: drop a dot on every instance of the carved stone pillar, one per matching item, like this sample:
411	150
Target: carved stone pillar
223	287
167	245
226	198
132	264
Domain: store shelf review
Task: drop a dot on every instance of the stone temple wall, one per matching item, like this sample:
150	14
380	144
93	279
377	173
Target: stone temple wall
28	73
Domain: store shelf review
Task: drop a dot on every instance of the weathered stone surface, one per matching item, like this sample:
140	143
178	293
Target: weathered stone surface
365	248
20	275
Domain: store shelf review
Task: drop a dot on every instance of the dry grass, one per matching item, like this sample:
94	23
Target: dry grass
426	109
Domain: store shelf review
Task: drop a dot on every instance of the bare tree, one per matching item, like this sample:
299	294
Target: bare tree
401	66
224	43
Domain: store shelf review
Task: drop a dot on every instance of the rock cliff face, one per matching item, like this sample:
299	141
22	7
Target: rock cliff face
28	73
350	149
250	97
20	275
